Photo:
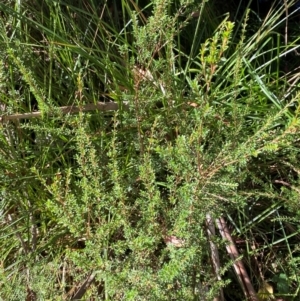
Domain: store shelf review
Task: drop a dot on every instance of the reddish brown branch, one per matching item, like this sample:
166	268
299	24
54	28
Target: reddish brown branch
214	253
239	267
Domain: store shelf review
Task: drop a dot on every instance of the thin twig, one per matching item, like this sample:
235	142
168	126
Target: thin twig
288	185
101	106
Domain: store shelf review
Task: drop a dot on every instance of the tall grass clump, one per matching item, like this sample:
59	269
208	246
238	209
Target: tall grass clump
140	142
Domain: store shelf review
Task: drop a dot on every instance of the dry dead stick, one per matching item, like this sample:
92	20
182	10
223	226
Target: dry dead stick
101	106
84	287
214	253
239	267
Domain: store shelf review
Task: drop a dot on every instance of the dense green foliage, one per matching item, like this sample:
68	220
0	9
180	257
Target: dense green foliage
207	126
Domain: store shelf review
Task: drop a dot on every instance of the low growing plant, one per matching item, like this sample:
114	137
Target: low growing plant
116	205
